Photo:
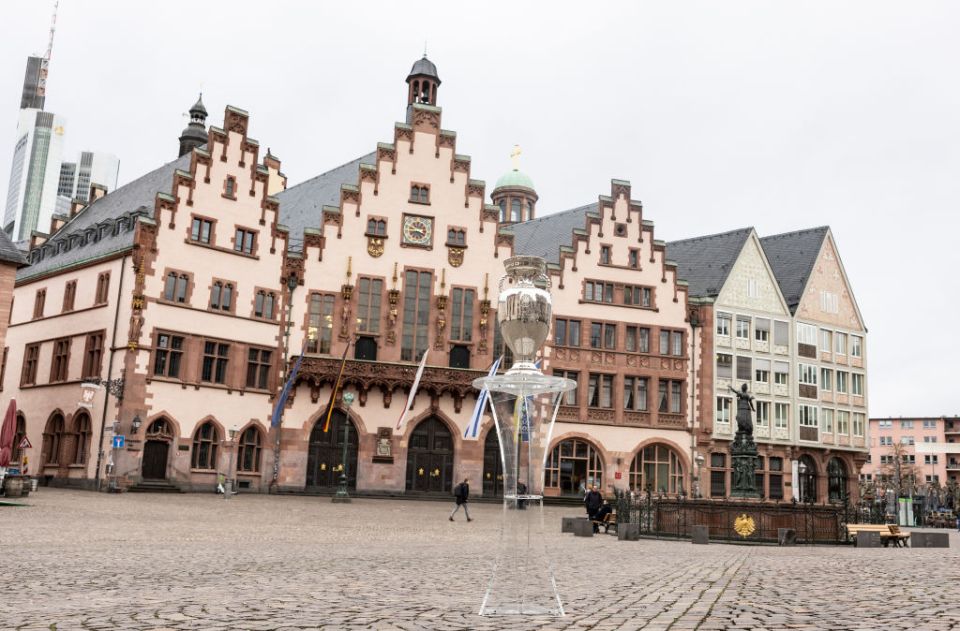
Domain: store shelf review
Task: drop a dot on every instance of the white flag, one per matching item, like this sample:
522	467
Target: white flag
413	390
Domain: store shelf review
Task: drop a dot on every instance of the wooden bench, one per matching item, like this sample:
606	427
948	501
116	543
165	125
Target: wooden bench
889	533
609	520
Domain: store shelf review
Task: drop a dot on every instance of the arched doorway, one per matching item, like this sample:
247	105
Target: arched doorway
81	445
657	467
325	455
836	480
52	440
430	458
808	479
156	450
572	466
492	465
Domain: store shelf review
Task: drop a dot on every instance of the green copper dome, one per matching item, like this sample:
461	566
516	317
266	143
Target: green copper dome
514	179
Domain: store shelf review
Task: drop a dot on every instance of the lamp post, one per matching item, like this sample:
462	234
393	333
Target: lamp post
342	496
292	282
228	490
697	494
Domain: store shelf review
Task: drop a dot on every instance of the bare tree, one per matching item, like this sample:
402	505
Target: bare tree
901	475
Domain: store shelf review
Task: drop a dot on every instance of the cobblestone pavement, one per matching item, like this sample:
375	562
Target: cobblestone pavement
80	560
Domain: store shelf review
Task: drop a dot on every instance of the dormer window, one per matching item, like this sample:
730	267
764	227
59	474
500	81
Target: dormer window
420	194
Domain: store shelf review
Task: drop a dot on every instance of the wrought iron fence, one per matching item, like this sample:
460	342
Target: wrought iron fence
733	520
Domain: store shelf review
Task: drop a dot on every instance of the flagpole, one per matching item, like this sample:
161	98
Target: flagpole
292	283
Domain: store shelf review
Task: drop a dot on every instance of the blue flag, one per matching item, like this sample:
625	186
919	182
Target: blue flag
473	427
285	393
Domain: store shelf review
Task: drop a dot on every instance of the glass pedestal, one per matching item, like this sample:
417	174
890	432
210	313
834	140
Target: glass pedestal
525	405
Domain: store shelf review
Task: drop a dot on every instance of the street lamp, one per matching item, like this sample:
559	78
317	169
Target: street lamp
228	490
136	423
696	478
342	496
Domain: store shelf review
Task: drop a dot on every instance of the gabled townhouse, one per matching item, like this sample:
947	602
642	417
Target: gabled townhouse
749	336
165	289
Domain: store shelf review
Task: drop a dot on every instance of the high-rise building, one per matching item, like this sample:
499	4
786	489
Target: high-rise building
34	84
34	172
91	168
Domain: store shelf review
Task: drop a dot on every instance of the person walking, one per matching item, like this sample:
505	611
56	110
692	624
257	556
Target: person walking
461	493
593	501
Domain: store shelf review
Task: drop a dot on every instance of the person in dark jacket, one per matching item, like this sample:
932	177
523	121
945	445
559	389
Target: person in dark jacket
593	501
462	494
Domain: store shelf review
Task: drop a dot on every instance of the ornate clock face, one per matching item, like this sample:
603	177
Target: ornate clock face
417	230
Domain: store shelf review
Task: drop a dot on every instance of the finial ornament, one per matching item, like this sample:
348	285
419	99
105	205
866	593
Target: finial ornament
515	157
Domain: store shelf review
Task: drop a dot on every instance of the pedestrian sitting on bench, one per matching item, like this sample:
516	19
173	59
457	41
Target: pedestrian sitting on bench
601	516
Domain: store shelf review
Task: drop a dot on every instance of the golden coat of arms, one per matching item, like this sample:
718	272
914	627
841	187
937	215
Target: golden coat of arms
744	525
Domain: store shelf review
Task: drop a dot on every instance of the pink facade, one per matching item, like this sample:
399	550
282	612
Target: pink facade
928	449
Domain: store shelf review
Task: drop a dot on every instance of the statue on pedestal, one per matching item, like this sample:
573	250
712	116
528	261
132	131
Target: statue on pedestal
743	451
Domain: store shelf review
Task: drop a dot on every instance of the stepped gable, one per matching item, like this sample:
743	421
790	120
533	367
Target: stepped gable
301	206
106	225
706	262
545	236
792	256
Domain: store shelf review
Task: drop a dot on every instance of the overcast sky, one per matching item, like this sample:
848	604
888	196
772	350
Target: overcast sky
722	115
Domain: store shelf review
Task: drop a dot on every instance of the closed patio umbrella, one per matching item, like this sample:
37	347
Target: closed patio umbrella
7	430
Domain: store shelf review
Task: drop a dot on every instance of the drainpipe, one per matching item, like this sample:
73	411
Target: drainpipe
694	325
113	346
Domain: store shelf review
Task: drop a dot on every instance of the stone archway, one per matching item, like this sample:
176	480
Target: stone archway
808	479
430	457
836	480
573	465
492	465
325	453
156	449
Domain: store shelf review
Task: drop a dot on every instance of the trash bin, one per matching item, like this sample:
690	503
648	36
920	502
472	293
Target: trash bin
13	486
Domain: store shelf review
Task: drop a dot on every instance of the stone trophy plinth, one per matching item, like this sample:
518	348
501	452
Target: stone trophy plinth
743	451
524	403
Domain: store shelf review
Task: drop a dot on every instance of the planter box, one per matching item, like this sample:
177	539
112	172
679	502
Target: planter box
628	532
929	540
582	528
700	534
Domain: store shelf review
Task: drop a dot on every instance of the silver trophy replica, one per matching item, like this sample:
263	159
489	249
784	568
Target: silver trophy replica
524	403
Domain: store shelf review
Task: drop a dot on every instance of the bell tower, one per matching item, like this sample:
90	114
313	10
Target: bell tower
195	133
422	84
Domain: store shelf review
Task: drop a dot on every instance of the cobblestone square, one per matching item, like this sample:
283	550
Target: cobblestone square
80	560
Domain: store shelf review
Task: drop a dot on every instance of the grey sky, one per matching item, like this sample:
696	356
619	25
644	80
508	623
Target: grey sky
772	114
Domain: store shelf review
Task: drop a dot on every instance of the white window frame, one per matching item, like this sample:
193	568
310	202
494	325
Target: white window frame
723	324
826	340
807	374
806	334
843	422
743	320
807	415
856	384
842	381
781	415
859	423
826	379
763	413
826	420
840	343
724	408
